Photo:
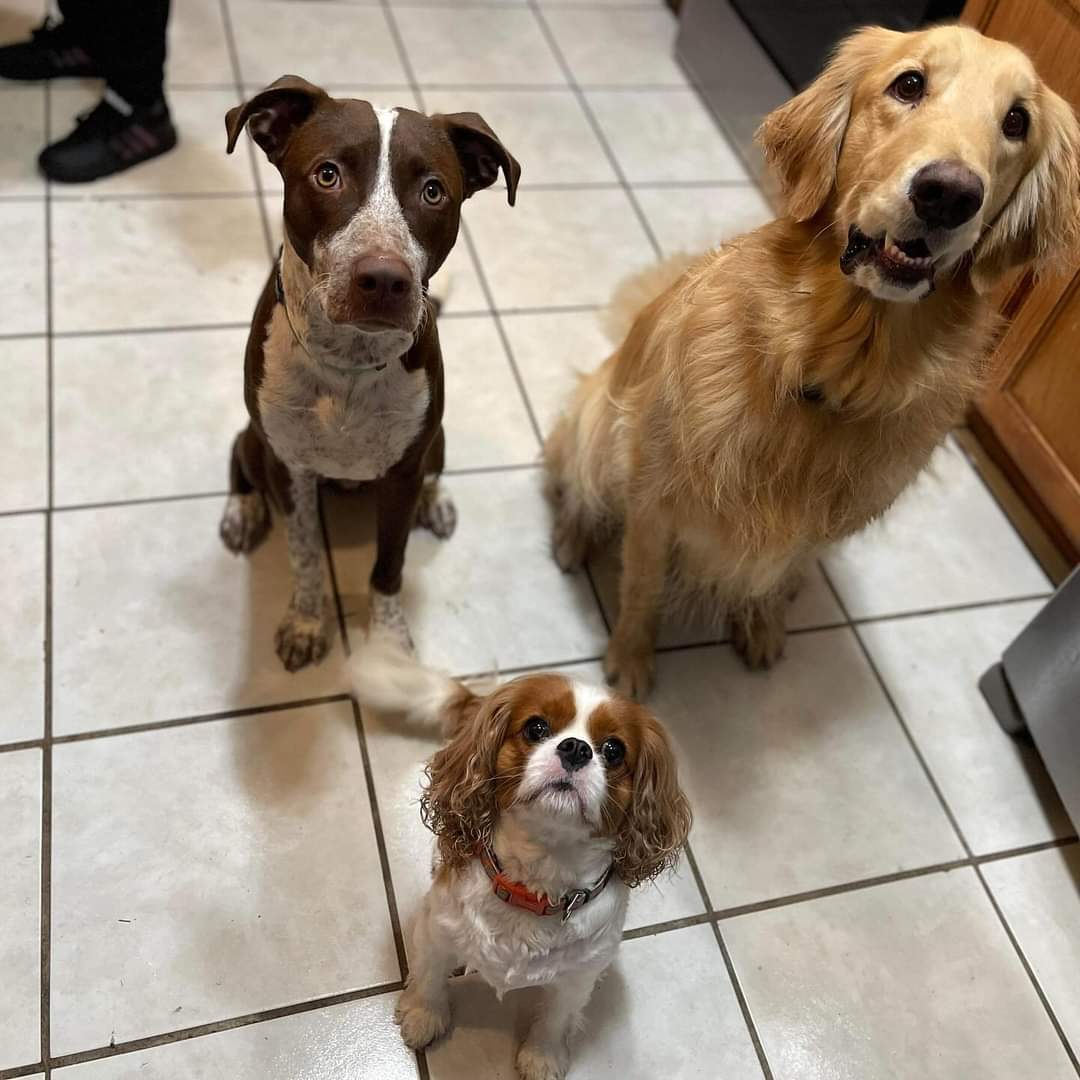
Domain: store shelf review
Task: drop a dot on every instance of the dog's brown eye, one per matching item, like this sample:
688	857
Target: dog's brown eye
1016	123
613	751
536	728
434	193
327	175
908	87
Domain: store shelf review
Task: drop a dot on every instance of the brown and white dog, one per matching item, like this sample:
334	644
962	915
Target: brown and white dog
788	386
551	799
343	375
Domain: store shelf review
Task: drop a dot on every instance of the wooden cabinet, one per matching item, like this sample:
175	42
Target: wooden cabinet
1030	419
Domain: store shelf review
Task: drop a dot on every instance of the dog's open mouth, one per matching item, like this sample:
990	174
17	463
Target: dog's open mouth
902	262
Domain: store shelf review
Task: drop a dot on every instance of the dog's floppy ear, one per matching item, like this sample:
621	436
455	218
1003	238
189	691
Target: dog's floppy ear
658	818
273	114
480	153
459	803
1040	223
802	139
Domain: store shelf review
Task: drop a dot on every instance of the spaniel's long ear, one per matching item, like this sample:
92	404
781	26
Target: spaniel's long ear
658	819
1040	223
459	803
802	139
273	114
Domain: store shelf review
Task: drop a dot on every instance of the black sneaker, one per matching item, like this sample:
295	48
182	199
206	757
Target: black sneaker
108	139
50	53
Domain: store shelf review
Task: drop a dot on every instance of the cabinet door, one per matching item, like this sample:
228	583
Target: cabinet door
1030	420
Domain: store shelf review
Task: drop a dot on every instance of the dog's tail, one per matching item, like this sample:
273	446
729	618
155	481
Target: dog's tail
388	679
637	291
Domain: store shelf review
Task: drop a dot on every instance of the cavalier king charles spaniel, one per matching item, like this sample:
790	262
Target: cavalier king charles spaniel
550	800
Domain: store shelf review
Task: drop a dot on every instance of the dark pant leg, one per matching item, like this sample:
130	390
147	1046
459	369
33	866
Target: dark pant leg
126	39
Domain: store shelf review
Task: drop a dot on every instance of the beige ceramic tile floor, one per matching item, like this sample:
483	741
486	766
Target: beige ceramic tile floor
206	864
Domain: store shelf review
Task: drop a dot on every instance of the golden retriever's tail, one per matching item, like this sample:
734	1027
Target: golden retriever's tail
641	289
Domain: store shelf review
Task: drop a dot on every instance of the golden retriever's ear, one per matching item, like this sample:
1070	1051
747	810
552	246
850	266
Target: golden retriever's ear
802	139
459	802
1040	223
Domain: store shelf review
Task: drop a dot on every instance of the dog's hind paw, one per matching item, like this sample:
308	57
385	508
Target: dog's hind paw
436	510
245	522
536	1062
421	1024
301	639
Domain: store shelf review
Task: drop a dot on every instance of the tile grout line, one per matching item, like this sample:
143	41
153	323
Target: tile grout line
326	699
729	966
594	123
369	775
238	88
947	809
1028	970
214	1027
45	910
485	286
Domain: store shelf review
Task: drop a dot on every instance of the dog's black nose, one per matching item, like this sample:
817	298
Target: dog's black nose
945	194
574	753
380	277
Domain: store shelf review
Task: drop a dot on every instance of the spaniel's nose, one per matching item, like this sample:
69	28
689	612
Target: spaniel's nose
574	754
946	194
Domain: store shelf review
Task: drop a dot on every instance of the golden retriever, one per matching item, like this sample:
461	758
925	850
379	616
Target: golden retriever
789	385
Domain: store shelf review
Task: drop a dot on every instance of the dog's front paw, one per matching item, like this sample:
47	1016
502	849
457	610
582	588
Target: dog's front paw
630	669
759	641
301	640
245	522
421	1022
388	619
569	542
538	1062
436	511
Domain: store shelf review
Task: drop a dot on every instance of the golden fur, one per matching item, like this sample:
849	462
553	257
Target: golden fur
696	437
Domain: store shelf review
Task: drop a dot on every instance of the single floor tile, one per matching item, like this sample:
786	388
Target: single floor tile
24	434
22	239
912	979
22	627
22	135
153	619
697	219
20	906
996	785
800	777
210	871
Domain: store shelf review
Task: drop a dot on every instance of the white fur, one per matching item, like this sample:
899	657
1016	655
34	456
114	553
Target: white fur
332	421
387	679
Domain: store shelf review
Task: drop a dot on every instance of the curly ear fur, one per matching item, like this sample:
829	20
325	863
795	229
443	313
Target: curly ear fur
460	799
658	819
802	139
1040	223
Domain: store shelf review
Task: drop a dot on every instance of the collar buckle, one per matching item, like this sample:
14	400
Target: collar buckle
573	901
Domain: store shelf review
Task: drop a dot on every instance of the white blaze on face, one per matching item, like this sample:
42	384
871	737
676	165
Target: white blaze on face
544	768
378	227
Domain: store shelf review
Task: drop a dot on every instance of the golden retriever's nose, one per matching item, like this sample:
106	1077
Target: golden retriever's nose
946	194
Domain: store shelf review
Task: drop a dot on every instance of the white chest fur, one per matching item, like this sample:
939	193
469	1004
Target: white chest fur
336	423
511	948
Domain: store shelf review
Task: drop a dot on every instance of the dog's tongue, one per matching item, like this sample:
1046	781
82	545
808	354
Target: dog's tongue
857	243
